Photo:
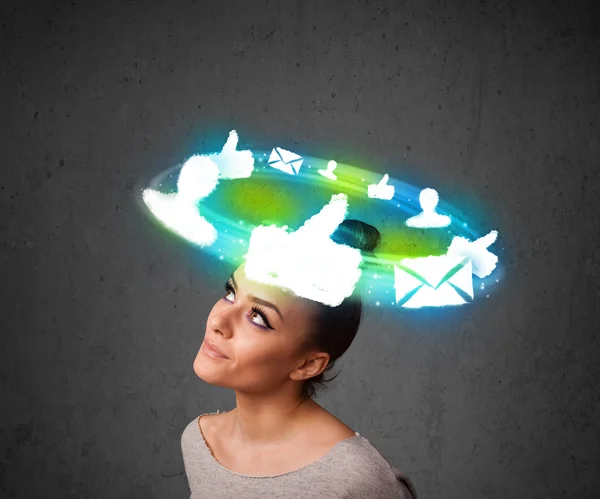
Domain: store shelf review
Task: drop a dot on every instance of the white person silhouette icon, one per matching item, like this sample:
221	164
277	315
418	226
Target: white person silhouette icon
428	218
332	165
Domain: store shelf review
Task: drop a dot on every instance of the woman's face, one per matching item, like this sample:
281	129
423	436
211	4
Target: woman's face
260	329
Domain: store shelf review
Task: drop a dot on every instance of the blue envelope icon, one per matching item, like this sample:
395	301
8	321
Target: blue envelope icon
433	281
285	161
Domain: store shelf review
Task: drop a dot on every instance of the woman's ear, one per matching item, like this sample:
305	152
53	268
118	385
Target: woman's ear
312	366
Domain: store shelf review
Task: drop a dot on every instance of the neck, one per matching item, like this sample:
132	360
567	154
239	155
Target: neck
259	421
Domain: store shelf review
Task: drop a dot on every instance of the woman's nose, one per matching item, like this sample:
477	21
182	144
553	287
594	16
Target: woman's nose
222	321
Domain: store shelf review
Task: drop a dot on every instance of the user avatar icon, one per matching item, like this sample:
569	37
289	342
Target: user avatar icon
329	172
428	218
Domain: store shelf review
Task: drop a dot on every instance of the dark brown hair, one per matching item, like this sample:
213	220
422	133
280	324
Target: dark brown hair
334	328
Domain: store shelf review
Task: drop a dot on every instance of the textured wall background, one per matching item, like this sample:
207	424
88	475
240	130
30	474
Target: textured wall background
496	104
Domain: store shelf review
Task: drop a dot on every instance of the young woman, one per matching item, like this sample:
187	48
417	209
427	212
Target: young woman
273	349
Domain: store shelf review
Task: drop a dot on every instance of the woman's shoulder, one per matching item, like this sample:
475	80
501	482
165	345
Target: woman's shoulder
329	426
204	420
366	466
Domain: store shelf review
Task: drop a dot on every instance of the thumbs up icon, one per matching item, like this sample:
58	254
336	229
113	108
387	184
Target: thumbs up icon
231	162
306	261
381	190
483	260
178	211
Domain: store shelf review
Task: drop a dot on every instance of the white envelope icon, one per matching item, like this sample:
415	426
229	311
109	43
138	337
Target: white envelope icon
285	161
433	281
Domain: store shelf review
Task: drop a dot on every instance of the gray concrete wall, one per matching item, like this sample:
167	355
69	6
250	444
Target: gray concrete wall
494	103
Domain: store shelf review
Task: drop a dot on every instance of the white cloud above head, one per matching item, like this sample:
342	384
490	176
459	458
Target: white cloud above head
306	262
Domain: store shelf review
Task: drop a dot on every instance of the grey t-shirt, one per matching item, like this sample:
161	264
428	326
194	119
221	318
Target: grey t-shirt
353	469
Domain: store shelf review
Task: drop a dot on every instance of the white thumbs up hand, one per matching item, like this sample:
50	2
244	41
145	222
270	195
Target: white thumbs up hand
324	223
231	162
483	261
307	262
487	240
198	177
381	190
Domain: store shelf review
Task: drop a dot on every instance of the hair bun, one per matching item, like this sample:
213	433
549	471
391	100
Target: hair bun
357	234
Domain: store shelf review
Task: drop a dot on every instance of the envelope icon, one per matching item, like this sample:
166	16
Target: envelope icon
285	161
433	281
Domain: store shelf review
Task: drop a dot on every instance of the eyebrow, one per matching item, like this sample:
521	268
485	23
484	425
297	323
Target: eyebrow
255	299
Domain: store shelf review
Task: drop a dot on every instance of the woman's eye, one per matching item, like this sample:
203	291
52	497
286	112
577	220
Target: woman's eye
253	314
258	316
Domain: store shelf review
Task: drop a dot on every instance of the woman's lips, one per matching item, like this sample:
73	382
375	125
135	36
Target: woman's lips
209	350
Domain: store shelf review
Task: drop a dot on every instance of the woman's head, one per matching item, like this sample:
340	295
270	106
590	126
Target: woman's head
276	341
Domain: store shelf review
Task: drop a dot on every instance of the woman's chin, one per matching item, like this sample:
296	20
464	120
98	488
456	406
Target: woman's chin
204	370
200	367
